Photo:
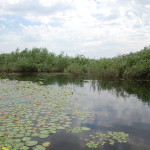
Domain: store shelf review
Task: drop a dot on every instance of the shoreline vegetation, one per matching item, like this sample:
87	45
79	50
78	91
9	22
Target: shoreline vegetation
133	65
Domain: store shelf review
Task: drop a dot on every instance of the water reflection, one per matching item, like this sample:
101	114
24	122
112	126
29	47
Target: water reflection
124	88
117	105
120	88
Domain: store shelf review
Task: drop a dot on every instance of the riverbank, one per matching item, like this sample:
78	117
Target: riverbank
133	65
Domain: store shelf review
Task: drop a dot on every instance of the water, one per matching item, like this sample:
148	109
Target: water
117	105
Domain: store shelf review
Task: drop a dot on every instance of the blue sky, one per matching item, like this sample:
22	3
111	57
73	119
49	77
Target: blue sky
94	28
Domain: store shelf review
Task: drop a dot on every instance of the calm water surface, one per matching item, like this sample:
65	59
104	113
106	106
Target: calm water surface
117	105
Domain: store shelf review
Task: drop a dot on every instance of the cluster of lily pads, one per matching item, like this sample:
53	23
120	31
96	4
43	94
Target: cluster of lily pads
30	112
101	139
79	129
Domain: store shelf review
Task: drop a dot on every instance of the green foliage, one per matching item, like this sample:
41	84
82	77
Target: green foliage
35	60
80	129
124	66
92	144
74	68
102	139
41	60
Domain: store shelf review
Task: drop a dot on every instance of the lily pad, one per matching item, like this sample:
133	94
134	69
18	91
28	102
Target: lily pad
31	143
92	144
39	147
24	148
46	144
26	139
43	136
85	129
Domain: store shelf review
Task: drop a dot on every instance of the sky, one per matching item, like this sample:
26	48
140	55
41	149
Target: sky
93	28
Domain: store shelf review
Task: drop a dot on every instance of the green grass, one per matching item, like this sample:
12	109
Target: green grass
133	65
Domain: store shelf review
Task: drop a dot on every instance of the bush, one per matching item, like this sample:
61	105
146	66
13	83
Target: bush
41	60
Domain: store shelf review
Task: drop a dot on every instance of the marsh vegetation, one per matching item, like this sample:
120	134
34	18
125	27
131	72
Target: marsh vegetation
133	65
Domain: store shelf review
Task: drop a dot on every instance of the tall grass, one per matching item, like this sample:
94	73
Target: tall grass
133	65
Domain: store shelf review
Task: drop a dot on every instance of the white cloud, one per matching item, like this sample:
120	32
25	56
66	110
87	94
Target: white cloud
12	2
107	26
2	27
92	43
3	19
11	37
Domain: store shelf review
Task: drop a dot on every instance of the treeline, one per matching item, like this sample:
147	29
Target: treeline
133	65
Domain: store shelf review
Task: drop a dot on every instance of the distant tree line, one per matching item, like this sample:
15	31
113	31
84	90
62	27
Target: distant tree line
133	65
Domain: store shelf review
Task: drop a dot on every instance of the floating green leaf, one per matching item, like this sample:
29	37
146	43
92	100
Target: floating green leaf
31	143
46	144
92	144
43	136
24	148
26	139
39	147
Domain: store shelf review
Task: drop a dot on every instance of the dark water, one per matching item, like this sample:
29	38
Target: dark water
117	105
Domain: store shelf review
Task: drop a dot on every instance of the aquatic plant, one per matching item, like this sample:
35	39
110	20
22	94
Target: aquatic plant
92	144
103	138
32	111
80	129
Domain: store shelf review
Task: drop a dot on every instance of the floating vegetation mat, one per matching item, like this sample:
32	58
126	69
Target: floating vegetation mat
30	112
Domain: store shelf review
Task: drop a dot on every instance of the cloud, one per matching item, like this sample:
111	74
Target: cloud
12	37
26	7
107	27
2	27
